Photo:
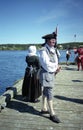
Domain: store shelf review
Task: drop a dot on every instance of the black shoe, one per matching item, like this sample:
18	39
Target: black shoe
34	101
44	112
54	118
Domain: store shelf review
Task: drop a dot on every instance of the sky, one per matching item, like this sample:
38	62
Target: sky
26	21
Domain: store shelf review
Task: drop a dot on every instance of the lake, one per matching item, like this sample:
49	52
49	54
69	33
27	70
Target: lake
12	66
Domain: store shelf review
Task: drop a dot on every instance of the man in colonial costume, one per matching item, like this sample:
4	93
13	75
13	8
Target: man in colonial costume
49	67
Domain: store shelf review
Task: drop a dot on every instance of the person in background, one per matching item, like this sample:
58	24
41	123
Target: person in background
31	88
79	58
49	67
68	53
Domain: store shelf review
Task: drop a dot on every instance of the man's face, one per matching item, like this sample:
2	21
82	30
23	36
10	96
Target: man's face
51	42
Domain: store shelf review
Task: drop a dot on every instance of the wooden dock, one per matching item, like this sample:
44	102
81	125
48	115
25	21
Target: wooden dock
68	105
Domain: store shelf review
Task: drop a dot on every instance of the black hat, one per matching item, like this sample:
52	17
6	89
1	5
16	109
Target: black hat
50	36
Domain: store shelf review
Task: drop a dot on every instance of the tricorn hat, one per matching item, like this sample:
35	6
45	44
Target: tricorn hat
50	36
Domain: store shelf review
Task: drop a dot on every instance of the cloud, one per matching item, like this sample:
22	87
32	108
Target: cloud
62	9
46	18
51	15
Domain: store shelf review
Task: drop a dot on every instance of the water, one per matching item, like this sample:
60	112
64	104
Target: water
12	66
63	56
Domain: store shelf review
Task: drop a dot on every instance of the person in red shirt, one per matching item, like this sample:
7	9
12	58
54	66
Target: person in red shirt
79	58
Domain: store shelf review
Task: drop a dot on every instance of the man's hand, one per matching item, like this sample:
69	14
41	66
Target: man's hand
58	70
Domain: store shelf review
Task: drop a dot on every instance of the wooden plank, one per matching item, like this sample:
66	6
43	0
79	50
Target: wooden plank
68	105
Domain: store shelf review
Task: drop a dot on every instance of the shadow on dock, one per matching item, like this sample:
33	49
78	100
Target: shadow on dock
75	100
19	105
23	106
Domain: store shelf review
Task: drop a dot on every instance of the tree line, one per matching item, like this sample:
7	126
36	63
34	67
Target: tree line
70	45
